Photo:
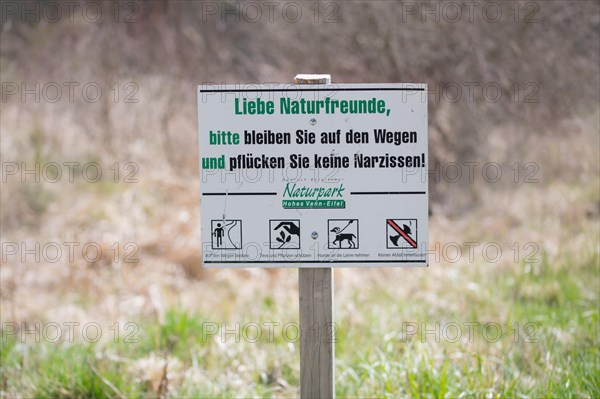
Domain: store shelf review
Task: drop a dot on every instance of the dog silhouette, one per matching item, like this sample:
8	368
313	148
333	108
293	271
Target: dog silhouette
340	238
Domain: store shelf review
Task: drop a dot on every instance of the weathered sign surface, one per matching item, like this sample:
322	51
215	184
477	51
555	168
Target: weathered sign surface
313	176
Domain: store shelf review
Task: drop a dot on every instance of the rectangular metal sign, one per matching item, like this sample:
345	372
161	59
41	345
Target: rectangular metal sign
313	176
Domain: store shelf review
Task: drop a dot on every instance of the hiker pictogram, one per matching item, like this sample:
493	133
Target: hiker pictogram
284	234
401	233
226	234
343	233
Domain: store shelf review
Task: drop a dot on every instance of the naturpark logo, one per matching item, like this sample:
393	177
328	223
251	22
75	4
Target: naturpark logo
302	197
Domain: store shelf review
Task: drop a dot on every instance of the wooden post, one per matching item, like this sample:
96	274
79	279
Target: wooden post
316	315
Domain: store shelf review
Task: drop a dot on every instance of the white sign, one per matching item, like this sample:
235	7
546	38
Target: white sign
313	176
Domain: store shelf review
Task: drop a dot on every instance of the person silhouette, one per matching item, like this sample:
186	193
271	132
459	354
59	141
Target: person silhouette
219	234
223	232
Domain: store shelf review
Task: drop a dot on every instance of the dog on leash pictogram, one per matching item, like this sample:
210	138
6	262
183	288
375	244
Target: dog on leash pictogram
343	233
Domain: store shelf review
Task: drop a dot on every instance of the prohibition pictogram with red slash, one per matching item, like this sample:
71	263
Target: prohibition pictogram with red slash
404	232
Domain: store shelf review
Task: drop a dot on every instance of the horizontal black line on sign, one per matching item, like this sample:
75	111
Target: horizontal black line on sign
256	193
324	262
323	89
386	192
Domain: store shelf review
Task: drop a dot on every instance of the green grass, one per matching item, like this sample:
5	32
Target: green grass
62	371
547	312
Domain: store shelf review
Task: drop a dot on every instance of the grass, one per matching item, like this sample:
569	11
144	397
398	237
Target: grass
393	324
548	347
397	329
395	336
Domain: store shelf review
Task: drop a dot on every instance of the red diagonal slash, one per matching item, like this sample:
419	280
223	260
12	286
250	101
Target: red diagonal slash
402	233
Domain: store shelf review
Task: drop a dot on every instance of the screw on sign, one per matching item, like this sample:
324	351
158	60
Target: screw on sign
315	291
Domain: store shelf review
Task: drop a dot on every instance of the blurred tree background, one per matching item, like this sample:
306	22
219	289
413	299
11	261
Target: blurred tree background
543	57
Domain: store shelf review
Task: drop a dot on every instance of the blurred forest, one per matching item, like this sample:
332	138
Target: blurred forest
545	60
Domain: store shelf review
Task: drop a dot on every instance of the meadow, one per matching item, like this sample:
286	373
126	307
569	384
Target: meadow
522	322
102	292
